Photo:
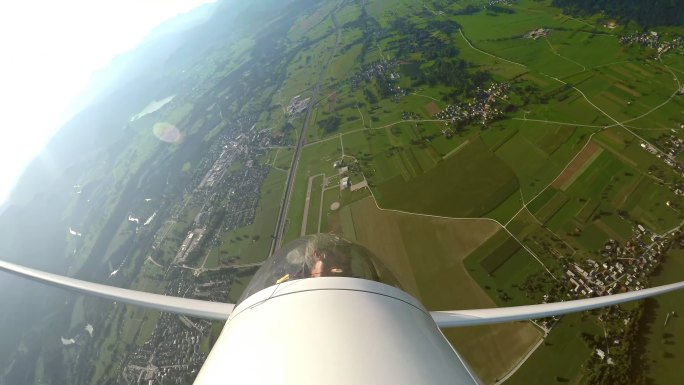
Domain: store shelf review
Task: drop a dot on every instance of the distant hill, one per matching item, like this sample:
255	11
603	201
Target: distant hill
647	13
130	82
156	47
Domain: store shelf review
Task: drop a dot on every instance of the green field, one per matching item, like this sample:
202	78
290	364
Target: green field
538	152
499	265
315	159
403	241
468	184
663	349
562	355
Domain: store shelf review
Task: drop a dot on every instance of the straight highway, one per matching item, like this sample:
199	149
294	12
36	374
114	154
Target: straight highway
277	240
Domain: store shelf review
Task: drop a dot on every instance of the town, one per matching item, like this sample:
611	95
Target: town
669	147
173	354
227	182
485	108
622	267
653	40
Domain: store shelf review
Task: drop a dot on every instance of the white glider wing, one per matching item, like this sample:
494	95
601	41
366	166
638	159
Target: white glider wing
443	319
457	318
190	307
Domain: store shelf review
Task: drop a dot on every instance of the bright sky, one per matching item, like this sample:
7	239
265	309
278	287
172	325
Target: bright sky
49	49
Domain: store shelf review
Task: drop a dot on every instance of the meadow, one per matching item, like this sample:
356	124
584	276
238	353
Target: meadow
426	254
470	183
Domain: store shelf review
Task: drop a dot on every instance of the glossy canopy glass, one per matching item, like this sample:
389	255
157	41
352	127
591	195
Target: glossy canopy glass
319	255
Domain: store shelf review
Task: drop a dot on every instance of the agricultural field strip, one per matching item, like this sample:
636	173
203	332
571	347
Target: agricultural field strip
617	123
676	79
469	218
373	128
563	57
560	123
527	356
524	207
547	229
487	53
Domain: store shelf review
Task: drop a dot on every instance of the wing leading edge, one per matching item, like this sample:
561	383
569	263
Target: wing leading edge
457	318
190	307
221	311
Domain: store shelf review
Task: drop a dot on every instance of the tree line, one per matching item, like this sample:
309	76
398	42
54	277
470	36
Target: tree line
646	13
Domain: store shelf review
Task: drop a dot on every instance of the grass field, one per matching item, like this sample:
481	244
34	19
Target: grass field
315	159
562	355
499	266
470	183
537	152
663	348
427	255
315	201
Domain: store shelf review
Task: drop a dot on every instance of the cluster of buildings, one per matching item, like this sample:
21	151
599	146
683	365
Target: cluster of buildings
537	33
219	167
408	115
189	244
670	147
484	108
297	105
623	268
243	195
172	355
392	90
376	69
653	40
344	175
671	144
499	2
237	191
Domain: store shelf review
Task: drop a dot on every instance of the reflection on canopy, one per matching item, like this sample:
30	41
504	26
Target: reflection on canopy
167	132
320	255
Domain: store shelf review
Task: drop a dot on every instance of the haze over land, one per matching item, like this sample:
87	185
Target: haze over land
491	153
50	57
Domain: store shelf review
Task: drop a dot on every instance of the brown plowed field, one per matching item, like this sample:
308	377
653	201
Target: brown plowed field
575	165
